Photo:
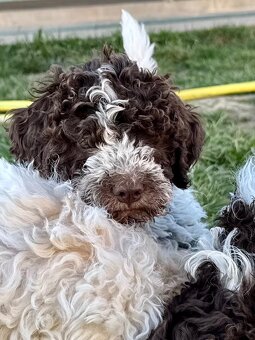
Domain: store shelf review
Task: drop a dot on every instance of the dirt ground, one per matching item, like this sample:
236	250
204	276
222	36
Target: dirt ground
240	107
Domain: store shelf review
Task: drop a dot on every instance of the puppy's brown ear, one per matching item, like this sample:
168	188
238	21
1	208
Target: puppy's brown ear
190	139
27	125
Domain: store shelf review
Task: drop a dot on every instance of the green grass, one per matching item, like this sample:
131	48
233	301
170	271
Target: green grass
226	149
199	58
4	144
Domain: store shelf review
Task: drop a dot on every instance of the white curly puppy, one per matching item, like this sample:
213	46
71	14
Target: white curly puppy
69	272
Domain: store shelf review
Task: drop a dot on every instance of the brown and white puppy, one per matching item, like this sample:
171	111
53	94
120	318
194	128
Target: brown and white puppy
114	127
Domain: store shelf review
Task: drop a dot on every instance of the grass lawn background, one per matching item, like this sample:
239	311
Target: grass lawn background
198	58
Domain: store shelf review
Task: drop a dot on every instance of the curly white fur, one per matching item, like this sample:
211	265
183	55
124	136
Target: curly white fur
69	272
183	226
234	265
122	157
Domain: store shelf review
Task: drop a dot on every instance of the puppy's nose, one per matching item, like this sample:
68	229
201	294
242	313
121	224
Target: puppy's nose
128	193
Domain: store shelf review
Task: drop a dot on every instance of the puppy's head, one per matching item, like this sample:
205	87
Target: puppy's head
119	132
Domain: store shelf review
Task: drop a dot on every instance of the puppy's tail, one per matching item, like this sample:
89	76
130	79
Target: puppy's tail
245	181
137	42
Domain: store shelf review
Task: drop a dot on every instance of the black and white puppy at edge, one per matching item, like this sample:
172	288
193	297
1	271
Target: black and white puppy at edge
109	142
219	300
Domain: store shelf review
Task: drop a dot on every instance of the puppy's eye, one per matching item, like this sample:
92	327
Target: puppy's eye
121	118
83	109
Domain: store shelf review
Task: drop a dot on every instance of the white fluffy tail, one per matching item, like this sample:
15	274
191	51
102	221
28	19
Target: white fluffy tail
137	42
246	181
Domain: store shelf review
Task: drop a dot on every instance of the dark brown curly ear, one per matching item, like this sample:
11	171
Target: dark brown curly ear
25	130
27	125
190	141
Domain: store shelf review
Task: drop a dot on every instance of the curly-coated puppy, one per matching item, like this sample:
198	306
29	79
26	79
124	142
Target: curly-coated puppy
240	213
203	310
114	127
68	271
218	302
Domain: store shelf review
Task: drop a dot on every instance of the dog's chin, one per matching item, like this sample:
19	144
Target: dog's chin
134	216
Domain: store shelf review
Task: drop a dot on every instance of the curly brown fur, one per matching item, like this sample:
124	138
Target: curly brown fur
59	128
246	313
204	310
240	216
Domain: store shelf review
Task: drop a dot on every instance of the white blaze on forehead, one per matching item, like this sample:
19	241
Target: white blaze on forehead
107	103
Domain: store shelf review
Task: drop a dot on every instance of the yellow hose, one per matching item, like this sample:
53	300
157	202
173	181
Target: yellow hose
187	95
7	105
216	91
